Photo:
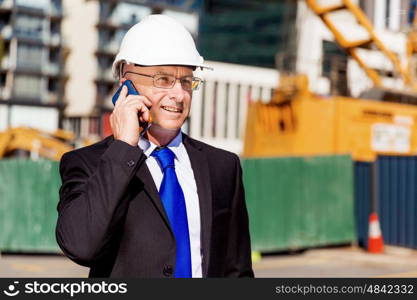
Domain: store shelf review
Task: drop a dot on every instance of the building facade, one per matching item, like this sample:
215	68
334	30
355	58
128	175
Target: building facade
32	76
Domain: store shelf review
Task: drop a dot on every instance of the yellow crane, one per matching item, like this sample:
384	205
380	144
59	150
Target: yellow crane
39	143
352	46
298	122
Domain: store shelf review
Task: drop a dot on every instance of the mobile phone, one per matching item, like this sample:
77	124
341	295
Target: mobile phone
130	91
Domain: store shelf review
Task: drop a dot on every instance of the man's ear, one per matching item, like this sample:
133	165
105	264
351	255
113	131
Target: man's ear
121	80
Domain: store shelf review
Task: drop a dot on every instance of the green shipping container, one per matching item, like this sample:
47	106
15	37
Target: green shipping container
29	196
299	202
293	203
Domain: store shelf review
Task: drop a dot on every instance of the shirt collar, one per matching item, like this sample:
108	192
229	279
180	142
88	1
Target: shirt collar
148	147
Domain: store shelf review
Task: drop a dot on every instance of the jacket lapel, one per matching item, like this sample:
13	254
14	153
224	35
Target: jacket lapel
200	168
145	176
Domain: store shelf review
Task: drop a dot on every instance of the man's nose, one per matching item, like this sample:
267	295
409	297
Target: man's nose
177	92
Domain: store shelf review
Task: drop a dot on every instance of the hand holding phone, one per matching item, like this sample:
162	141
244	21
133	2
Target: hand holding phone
131	115
131	90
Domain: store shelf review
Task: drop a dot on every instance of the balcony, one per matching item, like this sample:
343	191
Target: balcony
21	94
29	35
34	8
29	69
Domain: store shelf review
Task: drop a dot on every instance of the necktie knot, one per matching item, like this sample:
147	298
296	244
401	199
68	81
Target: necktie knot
165	157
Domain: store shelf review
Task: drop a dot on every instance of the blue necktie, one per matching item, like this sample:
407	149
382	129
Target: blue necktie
173	200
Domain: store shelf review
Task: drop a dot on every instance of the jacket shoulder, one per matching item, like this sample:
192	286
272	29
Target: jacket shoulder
210	150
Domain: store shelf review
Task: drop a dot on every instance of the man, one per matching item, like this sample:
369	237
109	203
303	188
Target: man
156	203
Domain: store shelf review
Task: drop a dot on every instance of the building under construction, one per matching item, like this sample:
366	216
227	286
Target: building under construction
318	97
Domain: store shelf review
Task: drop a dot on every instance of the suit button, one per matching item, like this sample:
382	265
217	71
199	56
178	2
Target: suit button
168	270
131	163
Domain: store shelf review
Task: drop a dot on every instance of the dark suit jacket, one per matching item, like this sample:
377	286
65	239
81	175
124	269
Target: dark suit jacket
112	220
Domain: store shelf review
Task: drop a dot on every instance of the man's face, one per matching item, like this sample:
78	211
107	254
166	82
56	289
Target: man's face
170	106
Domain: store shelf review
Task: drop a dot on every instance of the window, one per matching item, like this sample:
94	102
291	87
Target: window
29	57
53	85
29	26
55	27
104	62
54	56
27	86
190	21
247	32
56	7
334	66
387	13
39	4
127	13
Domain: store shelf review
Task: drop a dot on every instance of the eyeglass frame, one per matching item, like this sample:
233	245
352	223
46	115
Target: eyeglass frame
176	78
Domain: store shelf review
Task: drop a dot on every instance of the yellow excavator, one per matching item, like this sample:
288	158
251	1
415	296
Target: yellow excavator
298	122
35	142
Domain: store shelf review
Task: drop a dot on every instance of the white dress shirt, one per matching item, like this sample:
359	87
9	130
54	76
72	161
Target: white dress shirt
186	179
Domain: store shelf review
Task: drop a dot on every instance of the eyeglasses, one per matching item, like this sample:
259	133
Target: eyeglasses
165	81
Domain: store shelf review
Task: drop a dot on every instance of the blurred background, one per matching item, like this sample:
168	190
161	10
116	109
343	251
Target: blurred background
318	97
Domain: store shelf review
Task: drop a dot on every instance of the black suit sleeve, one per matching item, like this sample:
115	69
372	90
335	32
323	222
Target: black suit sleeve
239	261
92	200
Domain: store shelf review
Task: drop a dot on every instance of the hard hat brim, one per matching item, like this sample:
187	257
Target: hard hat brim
116	64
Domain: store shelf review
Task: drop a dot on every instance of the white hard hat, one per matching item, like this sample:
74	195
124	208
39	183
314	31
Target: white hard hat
158	40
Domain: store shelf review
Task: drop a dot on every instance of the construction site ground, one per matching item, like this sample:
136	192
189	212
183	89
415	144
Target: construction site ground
344	261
